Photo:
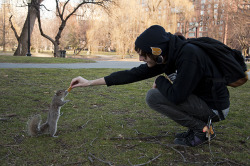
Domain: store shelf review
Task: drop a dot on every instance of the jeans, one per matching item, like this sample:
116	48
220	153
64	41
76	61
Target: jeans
224	112
193	113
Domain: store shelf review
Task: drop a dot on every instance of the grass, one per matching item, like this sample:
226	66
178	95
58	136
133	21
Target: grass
71	52
102	124
25	59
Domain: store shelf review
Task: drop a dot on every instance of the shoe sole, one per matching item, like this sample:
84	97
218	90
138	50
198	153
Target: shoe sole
196	145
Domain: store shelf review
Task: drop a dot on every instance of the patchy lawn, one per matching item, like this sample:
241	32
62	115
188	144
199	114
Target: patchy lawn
25	59
107	125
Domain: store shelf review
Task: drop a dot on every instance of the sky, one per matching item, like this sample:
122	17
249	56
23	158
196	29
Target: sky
50	5
20	6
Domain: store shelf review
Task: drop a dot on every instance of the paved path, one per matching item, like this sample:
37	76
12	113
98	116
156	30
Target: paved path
98	64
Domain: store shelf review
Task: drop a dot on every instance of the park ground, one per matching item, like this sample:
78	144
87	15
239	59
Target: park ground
108	125
100	56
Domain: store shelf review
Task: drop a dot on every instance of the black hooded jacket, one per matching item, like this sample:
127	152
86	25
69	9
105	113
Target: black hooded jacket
192	64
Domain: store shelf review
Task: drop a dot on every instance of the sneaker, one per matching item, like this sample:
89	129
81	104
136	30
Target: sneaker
195	139
184	134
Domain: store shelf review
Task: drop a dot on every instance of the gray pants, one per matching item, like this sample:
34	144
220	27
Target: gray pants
193	113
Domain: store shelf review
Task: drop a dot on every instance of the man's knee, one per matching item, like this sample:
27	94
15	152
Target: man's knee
152	96
158	102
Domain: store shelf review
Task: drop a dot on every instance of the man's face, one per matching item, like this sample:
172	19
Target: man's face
150	62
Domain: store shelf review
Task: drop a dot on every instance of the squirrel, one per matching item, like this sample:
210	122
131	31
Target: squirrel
50	126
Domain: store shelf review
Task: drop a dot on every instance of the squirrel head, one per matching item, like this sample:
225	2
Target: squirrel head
61	93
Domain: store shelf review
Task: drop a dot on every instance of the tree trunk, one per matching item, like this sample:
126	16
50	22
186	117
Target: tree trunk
57	39
56	50
22	47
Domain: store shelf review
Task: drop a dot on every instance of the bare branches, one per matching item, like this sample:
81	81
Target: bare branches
58	10
110	163
40	26
81	127
139	138
105	162
184	159
64	6
64	16
102	3
146	162
14	29
45	7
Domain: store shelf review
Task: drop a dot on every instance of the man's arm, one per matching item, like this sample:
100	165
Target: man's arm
188	77
82	82
120	77
135	74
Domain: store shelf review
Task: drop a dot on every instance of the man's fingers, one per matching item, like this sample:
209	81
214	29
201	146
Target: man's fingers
79	82
74	82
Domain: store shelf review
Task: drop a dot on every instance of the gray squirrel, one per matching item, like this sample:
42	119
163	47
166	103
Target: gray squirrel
50	126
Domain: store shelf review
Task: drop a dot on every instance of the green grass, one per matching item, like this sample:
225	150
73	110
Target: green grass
71	52
25	59
105	114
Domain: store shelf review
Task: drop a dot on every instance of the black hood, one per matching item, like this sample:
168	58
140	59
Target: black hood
155	40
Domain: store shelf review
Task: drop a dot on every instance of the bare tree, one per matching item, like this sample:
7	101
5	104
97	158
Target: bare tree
238	36
7	38
64	13
227	21
129	18
124	26
23	38
4	26
74	35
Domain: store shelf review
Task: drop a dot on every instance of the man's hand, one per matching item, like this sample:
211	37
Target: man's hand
82	82
172	77
79	81
154	86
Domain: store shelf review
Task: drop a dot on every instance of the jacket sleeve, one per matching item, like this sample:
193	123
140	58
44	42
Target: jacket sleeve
135	74
188	76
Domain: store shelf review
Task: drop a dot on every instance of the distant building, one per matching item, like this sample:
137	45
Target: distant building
208	16
211	17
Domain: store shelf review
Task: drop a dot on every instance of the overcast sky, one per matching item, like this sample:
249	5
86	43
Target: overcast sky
50	5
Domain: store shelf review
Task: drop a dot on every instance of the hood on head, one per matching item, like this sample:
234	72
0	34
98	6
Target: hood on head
154	40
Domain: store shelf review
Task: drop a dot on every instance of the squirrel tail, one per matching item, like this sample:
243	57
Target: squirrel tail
34	125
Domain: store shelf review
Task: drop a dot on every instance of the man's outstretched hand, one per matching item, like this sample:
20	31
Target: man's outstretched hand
79	82
82	82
